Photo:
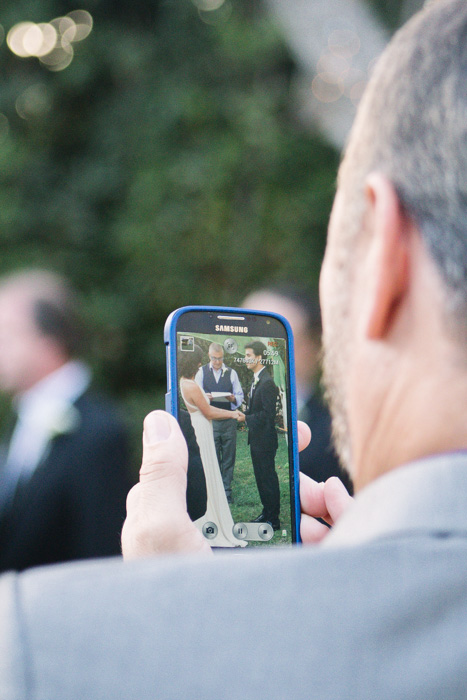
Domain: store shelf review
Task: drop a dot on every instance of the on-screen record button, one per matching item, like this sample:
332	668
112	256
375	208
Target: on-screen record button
265	531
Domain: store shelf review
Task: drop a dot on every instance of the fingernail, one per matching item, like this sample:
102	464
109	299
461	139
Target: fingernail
157	427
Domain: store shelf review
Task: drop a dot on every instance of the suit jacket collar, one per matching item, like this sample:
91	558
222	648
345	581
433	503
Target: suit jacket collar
429	496
256	381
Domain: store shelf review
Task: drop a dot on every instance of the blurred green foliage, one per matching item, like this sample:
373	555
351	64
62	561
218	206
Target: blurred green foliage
164	166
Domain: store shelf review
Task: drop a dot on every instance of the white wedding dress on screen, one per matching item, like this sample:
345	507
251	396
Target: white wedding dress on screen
217	510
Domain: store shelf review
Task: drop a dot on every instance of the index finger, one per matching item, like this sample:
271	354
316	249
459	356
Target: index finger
304	435
312	501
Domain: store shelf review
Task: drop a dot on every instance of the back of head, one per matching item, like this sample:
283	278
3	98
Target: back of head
258	348
40	328
292	301
412	126
54	306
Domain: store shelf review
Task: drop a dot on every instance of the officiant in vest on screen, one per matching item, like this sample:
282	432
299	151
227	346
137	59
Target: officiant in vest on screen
216	378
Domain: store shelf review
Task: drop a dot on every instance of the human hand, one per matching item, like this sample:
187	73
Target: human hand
328	501
240	416
157	519
231	398
304	435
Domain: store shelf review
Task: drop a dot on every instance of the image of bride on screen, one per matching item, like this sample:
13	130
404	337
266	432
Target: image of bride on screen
217	522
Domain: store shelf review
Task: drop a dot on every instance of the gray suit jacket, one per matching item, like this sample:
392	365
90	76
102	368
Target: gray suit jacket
380	612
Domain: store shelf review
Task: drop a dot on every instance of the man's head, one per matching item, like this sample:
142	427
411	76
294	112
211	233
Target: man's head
216	355
254	353
394	280
39	328
303	314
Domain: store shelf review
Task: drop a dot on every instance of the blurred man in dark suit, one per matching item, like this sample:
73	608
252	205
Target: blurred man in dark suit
319	460
63	473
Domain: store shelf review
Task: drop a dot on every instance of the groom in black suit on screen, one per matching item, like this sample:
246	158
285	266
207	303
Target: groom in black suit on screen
262	436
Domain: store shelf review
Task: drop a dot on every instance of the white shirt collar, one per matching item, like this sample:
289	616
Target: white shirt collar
64	385
220	369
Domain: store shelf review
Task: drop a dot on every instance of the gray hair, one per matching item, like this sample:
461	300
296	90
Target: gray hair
216	347
412	125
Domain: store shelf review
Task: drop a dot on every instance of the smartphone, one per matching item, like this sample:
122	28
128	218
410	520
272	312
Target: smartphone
230	384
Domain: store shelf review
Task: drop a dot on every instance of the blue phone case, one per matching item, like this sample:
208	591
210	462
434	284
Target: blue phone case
171	397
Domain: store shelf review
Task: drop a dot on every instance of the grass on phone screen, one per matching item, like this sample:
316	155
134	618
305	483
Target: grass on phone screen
246	502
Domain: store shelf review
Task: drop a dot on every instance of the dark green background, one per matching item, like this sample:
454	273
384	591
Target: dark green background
166	166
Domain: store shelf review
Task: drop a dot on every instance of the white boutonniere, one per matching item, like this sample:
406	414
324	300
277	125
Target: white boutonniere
224	371
58	418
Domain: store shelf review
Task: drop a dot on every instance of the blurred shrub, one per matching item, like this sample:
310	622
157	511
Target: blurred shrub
164	166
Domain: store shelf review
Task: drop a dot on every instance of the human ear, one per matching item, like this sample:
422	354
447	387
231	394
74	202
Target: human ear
389	250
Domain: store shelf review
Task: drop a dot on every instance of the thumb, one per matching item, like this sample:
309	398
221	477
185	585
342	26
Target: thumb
157	520
165	453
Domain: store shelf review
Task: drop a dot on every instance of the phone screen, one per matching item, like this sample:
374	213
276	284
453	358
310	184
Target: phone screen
230	389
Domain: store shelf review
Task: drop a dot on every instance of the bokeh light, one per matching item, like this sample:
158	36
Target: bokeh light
344	43
35	101
216	17
213	12
335	74
50	42
82	24
59	58
15	38
353	77
326	88
330	63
